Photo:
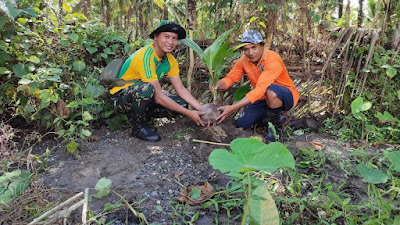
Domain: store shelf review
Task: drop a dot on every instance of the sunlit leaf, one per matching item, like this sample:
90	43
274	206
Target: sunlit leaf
159	3
24	81
22	20
370	175
262	207
72	146
358	105
103	187
253	18
87	133
67	7
86	116
4	70
262	24
34	59
391	72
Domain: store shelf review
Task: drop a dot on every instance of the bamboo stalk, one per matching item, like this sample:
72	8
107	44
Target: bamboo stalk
342	33
56	208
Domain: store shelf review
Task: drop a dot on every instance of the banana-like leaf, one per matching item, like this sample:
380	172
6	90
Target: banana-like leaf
191	44
221	54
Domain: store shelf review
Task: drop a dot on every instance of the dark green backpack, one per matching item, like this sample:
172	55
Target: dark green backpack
109	76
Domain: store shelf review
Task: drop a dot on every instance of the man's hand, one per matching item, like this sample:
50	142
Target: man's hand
226	111
195	116
220	86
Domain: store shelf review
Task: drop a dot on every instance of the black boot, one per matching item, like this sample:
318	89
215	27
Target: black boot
279	121
144	132
133	123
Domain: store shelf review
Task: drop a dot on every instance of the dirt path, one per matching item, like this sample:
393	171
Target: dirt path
152	173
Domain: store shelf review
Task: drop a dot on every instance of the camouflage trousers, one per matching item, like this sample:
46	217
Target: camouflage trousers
138	101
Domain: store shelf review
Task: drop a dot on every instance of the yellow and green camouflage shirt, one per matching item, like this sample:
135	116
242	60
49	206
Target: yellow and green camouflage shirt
146	66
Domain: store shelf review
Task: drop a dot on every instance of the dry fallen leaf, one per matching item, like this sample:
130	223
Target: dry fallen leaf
207	191
61	109
311	145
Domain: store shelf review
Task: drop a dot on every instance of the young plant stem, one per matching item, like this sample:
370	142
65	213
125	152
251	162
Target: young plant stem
370	200
246	209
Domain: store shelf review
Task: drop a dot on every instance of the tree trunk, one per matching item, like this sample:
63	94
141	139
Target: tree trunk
348	13
191	23
360	13
85	6
165	12
60	5
272	22
340	7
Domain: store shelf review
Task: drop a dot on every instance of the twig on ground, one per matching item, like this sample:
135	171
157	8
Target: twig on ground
210	142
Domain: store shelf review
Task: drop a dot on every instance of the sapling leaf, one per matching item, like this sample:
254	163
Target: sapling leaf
262	208
195	193
103	187
374	176
191	44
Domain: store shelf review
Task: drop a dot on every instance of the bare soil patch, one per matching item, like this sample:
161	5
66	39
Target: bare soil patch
154	173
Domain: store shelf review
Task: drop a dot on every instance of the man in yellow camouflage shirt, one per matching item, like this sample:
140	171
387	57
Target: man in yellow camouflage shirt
145	99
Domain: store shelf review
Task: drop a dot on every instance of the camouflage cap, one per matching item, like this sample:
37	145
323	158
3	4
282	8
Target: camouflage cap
252	36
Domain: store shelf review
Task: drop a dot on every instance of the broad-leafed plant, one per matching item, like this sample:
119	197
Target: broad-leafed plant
249	156
214	55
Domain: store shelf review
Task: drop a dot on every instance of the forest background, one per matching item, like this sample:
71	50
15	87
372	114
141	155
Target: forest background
342	55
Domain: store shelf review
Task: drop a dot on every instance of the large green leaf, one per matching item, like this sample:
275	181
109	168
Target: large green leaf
241	92
395	158
191	44
370	175
358	106
262	207
8	8
251	154
12	184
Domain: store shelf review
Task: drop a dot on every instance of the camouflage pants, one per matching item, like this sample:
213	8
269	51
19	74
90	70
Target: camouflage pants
138	101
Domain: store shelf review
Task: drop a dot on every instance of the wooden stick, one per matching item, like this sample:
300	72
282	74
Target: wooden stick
209	142
85	206
56	208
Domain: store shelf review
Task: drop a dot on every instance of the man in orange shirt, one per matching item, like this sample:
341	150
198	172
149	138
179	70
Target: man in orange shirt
273	90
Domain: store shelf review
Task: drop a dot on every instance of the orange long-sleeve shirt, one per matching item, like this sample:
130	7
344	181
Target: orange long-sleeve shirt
274	72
